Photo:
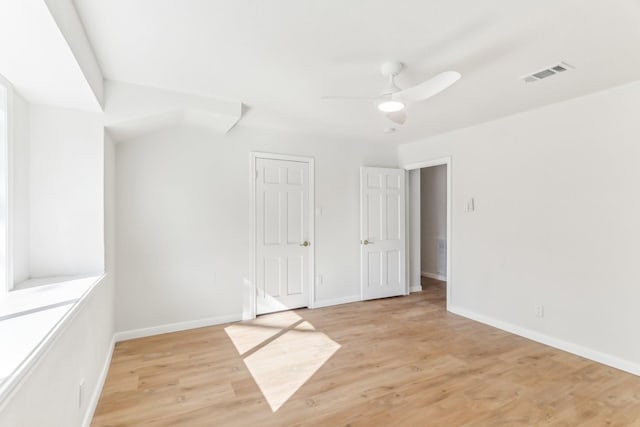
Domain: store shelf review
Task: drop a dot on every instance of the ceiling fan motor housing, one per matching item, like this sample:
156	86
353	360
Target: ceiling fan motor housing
391	68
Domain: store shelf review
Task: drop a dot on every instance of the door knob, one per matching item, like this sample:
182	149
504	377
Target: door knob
305	243
366	242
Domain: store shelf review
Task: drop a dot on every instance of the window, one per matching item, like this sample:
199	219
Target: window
33	311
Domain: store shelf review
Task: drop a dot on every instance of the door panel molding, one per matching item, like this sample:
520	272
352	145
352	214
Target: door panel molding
250	288
382	232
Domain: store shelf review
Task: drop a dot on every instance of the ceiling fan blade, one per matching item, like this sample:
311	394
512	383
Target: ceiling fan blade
398	117
429	88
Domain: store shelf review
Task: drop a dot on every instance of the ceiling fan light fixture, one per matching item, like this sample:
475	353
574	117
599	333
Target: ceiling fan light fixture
390	106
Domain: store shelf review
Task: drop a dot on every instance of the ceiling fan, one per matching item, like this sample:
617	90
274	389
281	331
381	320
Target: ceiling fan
392	100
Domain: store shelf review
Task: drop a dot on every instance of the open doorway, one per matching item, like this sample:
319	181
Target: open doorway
433	231
429	230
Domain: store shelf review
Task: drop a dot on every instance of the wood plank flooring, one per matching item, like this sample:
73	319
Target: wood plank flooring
400	362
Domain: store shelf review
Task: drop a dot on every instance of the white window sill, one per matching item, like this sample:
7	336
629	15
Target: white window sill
29	317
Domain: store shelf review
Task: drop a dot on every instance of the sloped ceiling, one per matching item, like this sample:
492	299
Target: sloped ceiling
281	56
45	54
132	110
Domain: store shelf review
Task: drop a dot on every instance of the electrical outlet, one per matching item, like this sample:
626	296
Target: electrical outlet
539	309
80	393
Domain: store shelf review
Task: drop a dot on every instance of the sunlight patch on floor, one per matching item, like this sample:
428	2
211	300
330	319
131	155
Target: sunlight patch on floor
248	335
283	353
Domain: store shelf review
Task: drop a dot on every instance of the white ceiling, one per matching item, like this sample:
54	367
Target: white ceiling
280	56
133	110
36	57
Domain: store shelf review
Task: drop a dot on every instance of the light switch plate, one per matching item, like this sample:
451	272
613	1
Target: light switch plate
470	205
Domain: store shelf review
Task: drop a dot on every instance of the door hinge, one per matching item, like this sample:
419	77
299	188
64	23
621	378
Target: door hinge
256	174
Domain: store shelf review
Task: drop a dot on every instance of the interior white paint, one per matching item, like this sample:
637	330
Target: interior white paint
414	266
93	392
68	21
293	240
65	192
6	263
28	317
109	200
433	215
37	59
414	232
554	185
556	206
133	110
20	188
79	349
382	232
183	241
77	352
279	57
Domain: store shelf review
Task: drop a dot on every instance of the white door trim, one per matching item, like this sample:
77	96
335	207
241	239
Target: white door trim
437	162
7	147
312	209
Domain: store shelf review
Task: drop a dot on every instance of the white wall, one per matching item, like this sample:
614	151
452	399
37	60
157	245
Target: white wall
5	179
65	192
109	207
183	198
433	219
48	395
20	189
556	222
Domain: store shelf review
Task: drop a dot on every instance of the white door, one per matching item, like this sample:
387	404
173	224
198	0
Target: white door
283	252
382	228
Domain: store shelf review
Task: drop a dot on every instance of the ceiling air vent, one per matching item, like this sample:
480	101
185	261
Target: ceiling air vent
547	72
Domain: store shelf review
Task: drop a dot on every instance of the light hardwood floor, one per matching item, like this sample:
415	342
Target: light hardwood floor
400	362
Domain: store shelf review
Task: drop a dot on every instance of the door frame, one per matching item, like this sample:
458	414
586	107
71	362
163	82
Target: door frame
254	155
7	147
425	164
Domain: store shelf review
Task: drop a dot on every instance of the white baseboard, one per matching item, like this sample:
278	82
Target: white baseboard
139	333
337	301
175	327
433	276
415	288
211	321
97	391
588	353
